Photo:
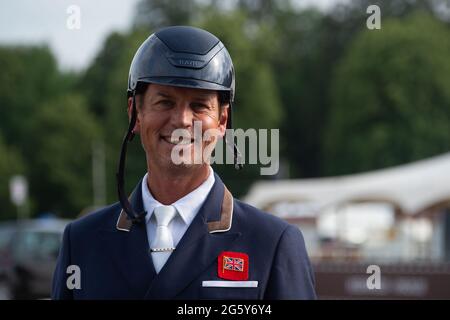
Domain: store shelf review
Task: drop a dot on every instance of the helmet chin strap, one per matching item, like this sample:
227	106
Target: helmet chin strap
136	218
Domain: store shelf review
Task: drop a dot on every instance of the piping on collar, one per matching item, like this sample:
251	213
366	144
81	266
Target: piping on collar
226	215
123	223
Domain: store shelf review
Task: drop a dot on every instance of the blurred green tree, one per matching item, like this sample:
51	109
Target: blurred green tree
391	102
60	156
303	63
311	43
29	79
29	76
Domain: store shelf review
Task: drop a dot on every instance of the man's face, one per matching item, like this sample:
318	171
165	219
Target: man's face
163	109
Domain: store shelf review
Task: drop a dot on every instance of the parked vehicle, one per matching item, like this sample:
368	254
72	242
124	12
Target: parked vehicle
28	253
6	233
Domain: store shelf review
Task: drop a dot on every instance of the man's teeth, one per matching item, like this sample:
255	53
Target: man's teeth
179	141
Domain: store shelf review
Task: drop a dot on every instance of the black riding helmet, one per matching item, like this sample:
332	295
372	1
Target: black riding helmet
178	56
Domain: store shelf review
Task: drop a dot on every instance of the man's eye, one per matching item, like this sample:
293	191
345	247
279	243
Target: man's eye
199	106
166	103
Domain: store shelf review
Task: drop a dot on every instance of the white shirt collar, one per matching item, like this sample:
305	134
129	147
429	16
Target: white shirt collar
187	207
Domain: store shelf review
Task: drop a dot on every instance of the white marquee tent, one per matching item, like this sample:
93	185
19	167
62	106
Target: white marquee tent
412	188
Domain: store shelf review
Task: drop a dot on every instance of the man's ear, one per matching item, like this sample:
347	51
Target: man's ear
129	110
223	119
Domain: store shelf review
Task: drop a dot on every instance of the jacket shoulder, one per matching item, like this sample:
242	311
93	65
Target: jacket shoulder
256	219
104	218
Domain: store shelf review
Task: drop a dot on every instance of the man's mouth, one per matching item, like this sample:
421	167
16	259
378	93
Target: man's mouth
180	141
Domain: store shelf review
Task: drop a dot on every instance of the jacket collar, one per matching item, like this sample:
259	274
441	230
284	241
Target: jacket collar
219	218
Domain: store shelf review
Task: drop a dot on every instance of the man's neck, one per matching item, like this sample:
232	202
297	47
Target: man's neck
167	187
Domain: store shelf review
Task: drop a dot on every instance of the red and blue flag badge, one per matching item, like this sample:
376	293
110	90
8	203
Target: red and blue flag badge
233	265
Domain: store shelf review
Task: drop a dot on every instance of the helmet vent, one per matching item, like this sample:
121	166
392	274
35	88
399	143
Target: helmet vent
187	39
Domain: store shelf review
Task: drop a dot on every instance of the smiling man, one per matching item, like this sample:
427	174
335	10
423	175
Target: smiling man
163	109
181	234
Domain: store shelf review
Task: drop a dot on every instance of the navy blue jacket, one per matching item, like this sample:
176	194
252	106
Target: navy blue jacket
116	263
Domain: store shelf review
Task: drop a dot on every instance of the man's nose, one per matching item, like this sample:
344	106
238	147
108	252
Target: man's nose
182	116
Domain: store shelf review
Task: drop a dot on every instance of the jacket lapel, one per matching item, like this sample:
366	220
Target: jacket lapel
129	249
197	250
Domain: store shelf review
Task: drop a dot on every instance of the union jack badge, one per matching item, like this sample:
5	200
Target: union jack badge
233	265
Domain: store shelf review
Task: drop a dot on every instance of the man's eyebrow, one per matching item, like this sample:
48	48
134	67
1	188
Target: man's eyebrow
163	94
204	96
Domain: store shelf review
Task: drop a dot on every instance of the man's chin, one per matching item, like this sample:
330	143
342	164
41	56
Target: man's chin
167	163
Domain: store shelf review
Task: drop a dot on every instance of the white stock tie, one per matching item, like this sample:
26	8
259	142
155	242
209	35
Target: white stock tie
162	244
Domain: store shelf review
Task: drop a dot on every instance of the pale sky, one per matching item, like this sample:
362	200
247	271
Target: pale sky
25	22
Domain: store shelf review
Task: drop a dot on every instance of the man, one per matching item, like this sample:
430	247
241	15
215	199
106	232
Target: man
181	235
